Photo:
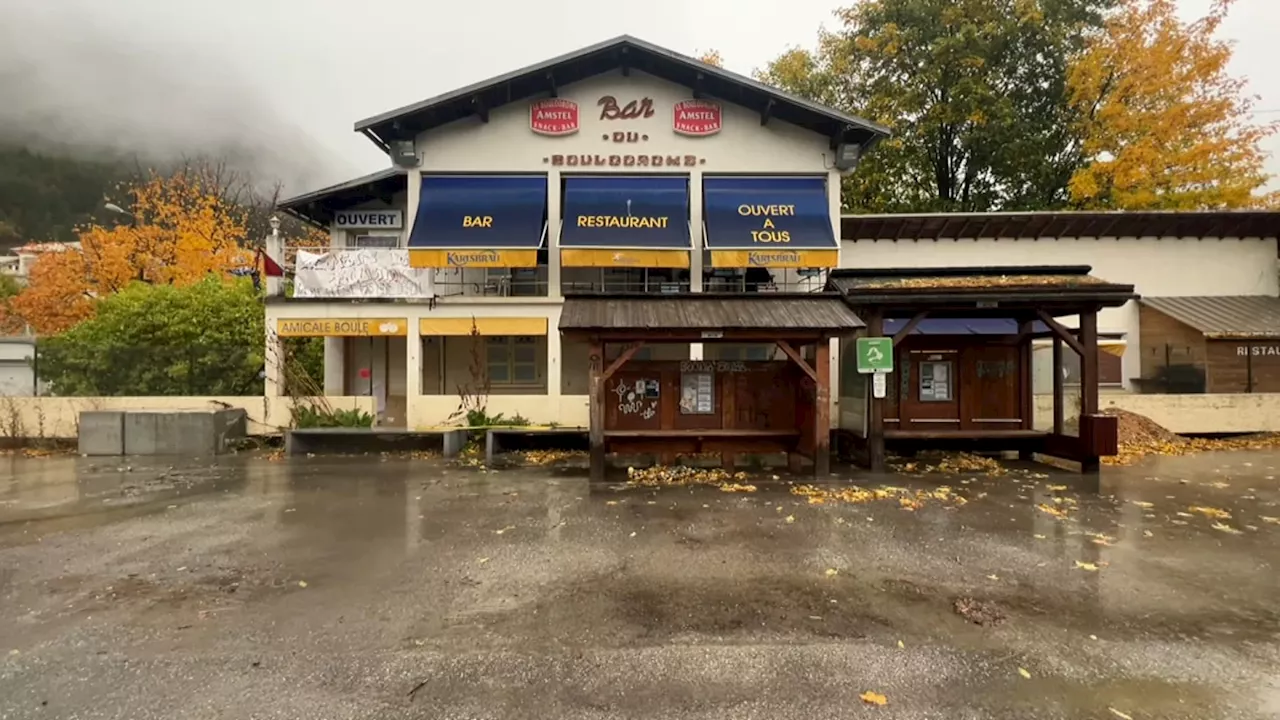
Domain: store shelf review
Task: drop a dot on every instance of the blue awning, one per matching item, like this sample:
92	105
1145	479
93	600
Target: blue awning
471	212
636	213
778	213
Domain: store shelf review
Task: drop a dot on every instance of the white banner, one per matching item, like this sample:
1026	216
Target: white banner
360	273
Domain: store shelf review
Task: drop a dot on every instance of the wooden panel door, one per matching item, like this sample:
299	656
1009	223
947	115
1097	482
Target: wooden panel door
929	396
991	381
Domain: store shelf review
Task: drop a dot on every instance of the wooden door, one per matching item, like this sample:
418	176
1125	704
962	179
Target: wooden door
991	379
928	399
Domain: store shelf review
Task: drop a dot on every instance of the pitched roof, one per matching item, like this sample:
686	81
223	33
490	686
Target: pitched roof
628	53
709	311
318	206
1055	224
1223	317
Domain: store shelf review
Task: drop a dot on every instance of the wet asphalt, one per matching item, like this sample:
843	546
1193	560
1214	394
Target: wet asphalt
397	588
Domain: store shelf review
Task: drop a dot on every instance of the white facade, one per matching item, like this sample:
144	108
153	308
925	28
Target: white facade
416	376
1154	266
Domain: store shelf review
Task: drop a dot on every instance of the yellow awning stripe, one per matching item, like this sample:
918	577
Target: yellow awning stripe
342	327
574	257
775	258
479	258
483	326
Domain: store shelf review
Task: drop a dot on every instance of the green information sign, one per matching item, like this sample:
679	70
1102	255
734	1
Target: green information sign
875	354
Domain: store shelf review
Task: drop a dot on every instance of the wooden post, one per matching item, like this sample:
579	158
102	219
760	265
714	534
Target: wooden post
1026	388
875	417
595	403
822	409
1059	408
1089	363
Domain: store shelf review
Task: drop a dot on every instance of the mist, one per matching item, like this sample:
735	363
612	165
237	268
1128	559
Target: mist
73	85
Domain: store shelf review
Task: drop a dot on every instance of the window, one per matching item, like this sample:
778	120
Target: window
376	241
935	381
512	360
1110	365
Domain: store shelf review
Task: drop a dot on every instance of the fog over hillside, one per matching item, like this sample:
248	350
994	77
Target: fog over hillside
71	85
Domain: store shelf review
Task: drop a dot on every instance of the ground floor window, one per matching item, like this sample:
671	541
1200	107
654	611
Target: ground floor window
512	360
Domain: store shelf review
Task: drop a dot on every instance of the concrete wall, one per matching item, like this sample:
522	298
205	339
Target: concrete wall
1155	266
1186	414
58	417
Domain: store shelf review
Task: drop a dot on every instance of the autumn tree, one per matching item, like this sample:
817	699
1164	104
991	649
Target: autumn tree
1164	125
205	338
973	90
712	57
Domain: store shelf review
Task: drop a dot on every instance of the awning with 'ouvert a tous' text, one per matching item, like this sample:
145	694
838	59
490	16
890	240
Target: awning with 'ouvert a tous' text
479	221
782	222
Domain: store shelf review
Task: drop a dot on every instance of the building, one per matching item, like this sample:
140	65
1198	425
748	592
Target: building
620	168
470	275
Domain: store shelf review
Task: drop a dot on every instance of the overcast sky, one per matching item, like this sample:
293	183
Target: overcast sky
283	81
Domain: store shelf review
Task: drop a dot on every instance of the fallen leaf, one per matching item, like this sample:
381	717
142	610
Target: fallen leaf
791	519
993	577
1050	510
1038	537
831	572
302	583
1226	529
1087	566
1213	512
610	502
1272	520
1057	488
873	698
901	646
1141	504
633	534
483	560
1119	714
1148	533
1023	672
509	527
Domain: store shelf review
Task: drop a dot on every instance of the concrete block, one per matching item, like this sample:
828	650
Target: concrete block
101	433
454	442
140	433
491	447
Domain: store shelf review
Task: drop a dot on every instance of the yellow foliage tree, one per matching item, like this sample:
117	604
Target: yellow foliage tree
1164	125
712	57
181	228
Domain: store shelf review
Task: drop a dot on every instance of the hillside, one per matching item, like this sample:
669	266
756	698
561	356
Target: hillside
44	196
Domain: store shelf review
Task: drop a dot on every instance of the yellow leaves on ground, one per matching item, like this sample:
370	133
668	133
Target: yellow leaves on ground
550	457
955	463
791	519
677	475
831	572
873	698
1023	672
854	495
1051	510
1167	126
1142	504
1088	567
1269	519
1211	512
1140	436
1119	714
1226	529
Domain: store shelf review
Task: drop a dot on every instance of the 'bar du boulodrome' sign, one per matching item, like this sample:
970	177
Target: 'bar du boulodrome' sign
368	219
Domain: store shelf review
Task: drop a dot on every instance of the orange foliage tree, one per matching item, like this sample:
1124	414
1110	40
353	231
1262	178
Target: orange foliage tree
712	57
1164	125
182	228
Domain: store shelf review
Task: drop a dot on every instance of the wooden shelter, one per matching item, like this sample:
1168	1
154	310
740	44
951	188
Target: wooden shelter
957	386
695	406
